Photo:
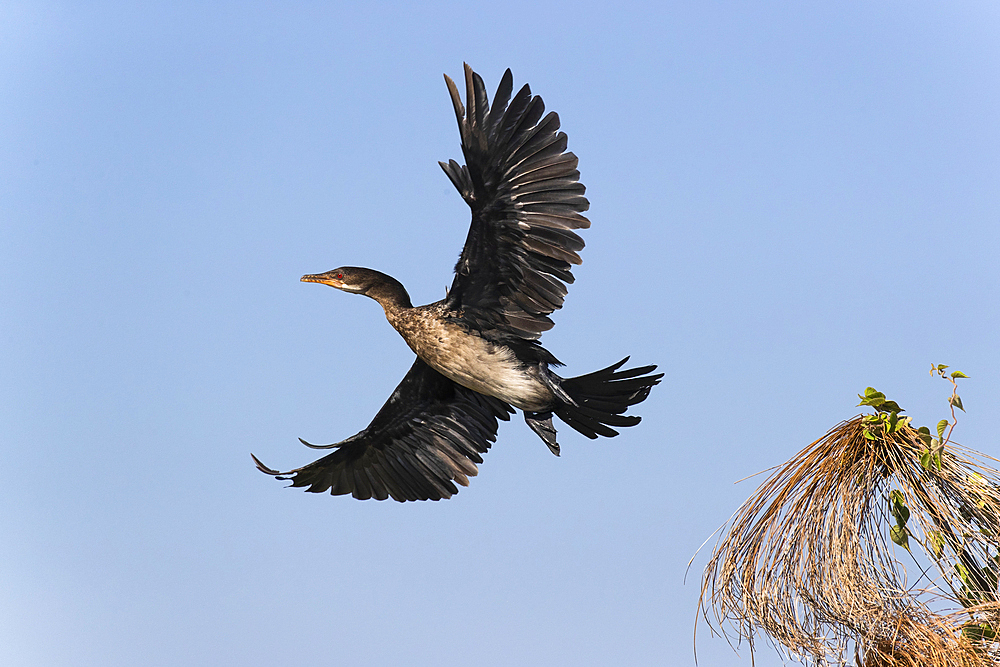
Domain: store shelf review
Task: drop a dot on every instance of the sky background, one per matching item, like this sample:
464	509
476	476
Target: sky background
790	202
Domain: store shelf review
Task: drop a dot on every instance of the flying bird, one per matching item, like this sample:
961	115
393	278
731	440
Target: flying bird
478	350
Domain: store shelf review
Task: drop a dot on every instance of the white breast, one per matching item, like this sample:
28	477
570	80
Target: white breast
472	361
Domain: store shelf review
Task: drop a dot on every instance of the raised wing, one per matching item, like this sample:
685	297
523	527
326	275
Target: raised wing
526	199
428	435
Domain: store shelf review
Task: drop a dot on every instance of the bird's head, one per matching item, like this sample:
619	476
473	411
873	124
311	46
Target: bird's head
347	278
371	283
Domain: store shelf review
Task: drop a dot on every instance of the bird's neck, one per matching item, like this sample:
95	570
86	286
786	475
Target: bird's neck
390	294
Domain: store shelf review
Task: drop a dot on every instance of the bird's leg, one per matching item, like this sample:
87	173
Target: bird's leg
541	423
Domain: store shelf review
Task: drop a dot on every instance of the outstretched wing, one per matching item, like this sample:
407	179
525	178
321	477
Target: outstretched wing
430	434
526	199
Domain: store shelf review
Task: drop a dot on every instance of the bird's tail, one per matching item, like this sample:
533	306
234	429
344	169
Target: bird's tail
598	399
593	403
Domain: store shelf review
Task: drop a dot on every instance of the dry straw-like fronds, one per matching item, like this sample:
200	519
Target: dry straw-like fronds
817	559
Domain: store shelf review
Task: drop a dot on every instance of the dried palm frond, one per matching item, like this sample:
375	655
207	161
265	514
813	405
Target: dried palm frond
814	561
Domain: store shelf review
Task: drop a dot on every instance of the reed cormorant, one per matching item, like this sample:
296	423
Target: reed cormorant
477	349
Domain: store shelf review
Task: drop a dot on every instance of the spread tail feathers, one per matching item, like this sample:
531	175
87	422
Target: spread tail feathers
600	398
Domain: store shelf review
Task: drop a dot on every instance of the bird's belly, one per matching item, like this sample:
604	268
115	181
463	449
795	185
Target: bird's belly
495	374
478	364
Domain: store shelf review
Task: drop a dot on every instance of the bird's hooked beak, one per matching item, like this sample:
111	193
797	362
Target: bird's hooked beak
329	278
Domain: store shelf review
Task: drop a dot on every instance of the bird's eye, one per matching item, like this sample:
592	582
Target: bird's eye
340	276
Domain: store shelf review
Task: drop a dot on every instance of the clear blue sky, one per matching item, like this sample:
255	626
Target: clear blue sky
790	201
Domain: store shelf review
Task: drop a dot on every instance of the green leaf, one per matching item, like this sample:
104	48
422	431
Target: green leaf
898	535
872	397
937	543
958	374
929	460
890	406
942	425
893	421
941	367
902	514
898	508
981	632
956	400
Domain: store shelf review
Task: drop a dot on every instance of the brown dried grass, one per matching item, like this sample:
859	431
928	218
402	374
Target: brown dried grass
808	560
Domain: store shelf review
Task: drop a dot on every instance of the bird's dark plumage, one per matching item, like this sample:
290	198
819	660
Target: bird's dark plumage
477	350
428	435
526	199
